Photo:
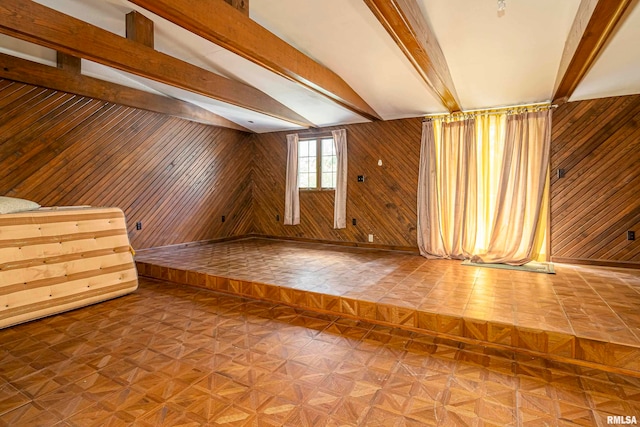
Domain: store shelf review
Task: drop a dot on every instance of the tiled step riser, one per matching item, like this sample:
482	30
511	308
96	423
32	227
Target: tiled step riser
553	345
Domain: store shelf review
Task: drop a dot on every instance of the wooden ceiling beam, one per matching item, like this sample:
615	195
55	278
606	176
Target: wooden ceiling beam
68	63
222	24
408	27
139	28
594	23
67	78
30	21
241	5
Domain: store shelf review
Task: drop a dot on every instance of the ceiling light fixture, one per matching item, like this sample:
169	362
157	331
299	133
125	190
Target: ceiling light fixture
502	5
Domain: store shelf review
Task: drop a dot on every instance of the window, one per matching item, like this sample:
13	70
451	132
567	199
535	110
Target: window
317	164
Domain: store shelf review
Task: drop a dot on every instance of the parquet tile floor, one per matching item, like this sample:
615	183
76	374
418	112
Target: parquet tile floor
170	355
583	313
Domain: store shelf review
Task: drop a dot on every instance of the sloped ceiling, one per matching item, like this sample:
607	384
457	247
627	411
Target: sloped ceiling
494	58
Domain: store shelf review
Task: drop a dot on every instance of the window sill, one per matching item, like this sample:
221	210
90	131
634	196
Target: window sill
315	190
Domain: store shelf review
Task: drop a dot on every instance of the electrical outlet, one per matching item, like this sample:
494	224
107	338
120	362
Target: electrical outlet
360	178
353	221
561	173
370	238
139	225
631	235
278	218
223	218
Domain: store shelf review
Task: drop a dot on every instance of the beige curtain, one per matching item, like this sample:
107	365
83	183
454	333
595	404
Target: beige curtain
428	225
448	190
340	203
291	197
490	129
524	174
483	187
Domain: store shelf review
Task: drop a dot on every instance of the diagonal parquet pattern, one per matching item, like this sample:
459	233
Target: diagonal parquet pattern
170	355
583	314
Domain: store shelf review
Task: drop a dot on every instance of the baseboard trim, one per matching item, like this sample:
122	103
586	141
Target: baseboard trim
597	262
362	245
196	243
407	249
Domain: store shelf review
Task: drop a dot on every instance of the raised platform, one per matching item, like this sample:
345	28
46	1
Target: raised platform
584	315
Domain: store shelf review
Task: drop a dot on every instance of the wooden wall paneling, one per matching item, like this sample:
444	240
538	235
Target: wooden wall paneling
57	106
41	181
81	164
26	156
388	197
568	158
33	153
233	198
171	205
78	158
25	105
175	176
126	167
141	157
87	162
597	142
168	203
584	193
613	114
11	91
595	223
384	205
158	189
28	110
580	180
142	153
31	161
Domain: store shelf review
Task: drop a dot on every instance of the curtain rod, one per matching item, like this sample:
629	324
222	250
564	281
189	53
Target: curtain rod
320	133
495	110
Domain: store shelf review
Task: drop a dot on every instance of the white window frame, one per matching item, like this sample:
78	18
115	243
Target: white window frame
318	156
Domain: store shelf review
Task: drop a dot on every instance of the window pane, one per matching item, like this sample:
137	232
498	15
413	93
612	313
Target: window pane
327	164
313	180
327	147
303	180
303	148
312	147
326	180
303	165
312	164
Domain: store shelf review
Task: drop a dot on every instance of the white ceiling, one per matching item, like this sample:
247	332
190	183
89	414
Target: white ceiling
495	59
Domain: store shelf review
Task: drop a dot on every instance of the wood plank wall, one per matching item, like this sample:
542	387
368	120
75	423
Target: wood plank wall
383	205
597	143
175	176
179	177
